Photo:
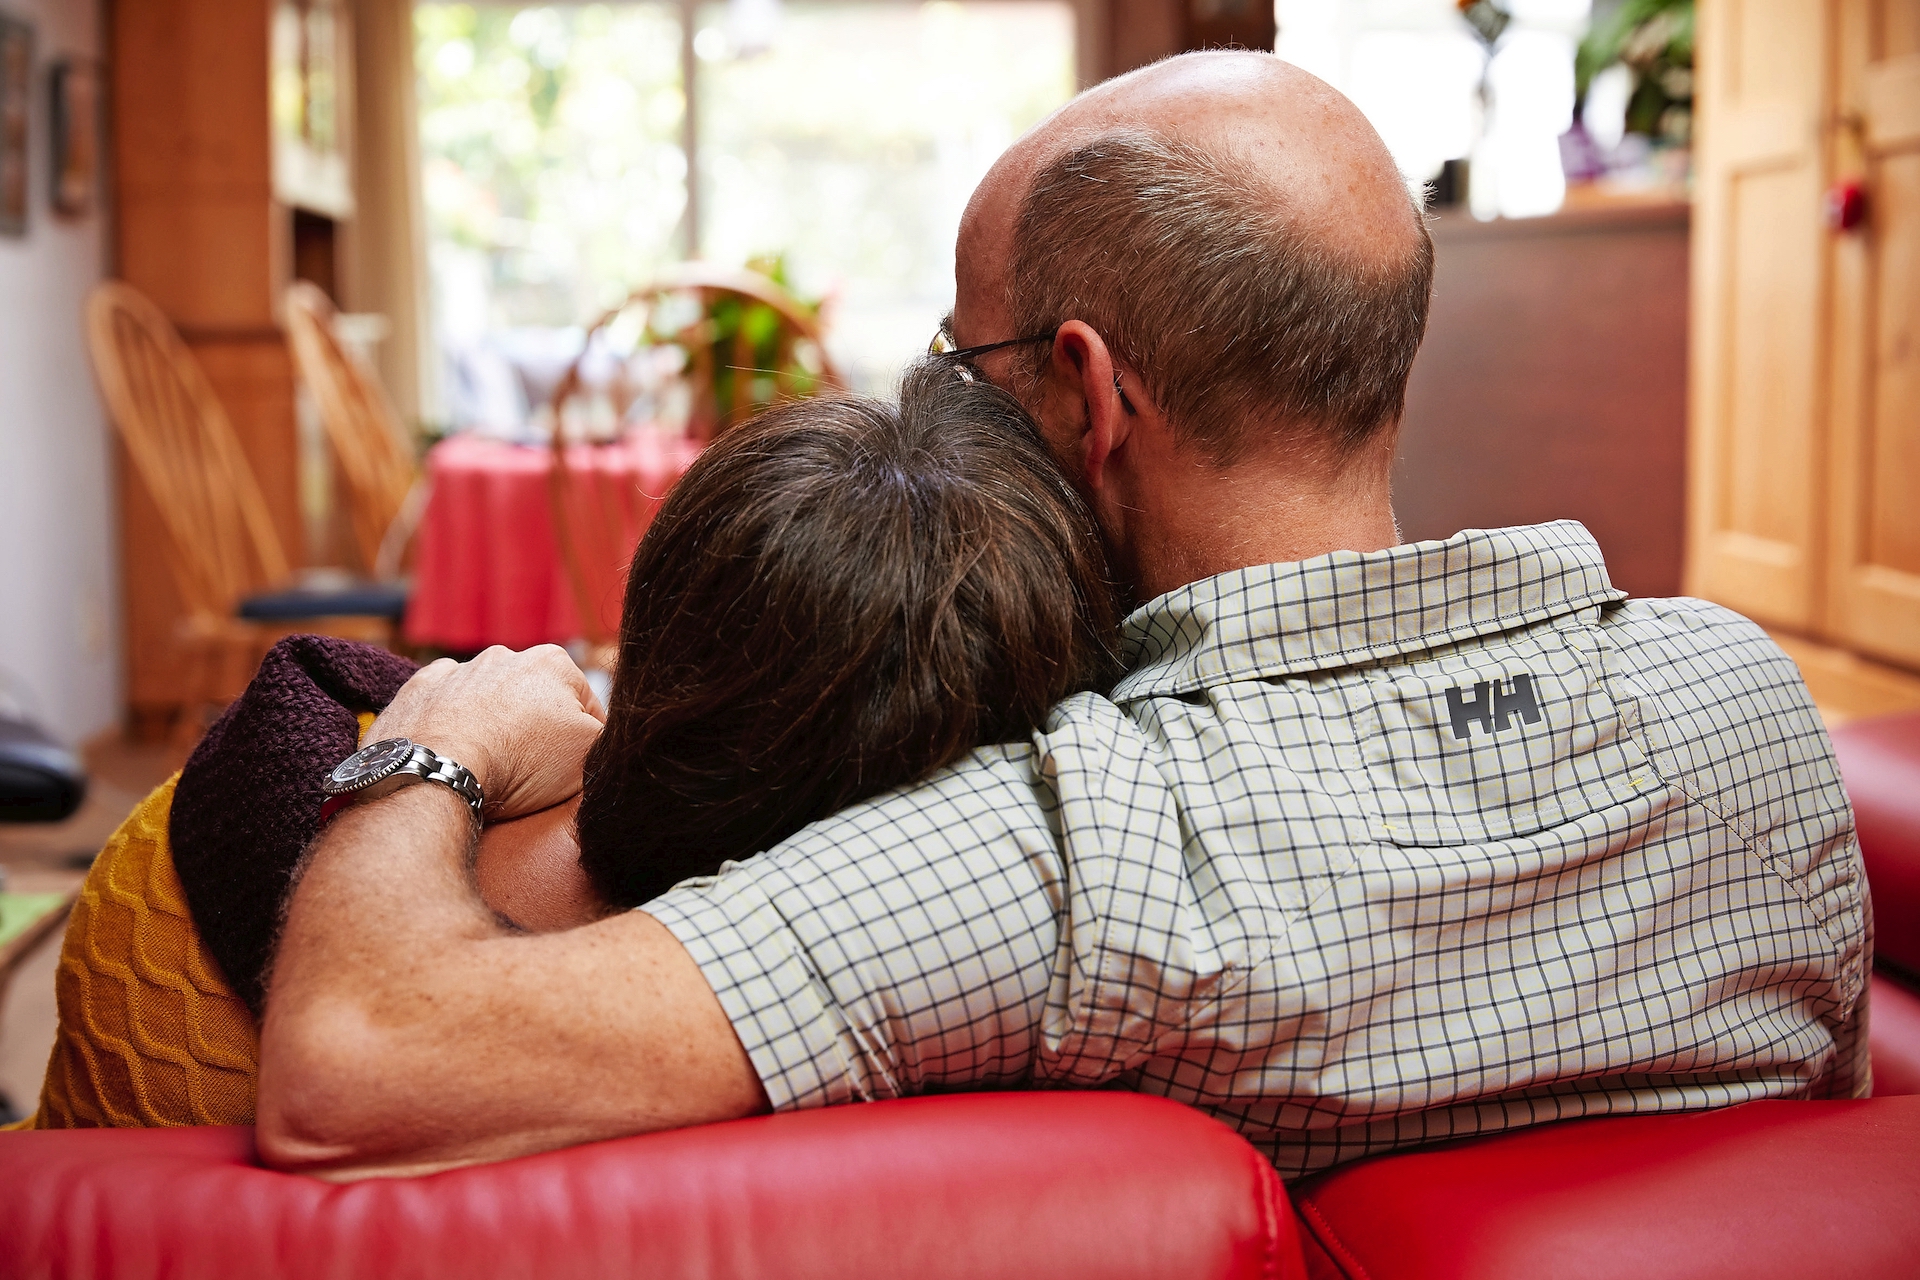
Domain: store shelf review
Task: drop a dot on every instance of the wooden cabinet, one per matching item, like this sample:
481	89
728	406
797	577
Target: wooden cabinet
1805	435
1552	384
202	229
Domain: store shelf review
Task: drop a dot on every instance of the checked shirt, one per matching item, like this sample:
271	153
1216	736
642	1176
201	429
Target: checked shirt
1363	851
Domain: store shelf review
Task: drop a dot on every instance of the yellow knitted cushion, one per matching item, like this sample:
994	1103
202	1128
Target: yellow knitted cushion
150	1034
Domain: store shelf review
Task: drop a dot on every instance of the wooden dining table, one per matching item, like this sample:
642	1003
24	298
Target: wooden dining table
488	568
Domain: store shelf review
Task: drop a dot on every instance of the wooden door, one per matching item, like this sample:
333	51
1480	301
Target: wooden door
1873	577
1758	389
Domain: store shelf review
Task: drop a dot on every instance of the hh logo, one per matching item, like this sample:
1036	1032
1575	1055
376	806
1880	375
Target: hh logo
1492	707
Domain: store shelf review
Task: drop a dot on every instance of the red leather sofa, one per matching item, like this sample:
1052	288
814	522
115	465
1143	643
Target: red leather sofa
949	1188
1880	760
1064	1185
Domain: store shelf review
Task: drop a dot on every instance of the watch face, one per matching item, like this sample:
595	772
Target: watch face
370	764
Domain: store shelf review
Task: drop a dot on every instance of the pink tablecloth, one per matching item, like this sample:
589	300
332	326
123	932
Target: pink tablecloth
487	568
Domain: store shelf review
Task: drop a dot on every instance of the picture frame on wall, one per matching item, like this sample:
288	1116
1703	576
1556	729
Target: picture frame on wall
16	89
75	91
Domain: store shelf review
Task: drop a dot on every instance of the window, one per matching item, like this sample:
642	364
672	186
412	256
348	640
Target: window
843	138
1414	67
852	144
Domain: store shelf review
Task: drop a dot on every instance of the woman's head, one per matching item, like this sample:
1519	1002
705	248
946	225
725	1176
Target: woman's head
839	597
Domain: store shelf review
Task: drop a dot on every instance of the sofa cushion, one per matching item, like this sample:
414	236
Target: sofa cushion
1893	1033
1058	1185
149	1033
1766	1190
1880	763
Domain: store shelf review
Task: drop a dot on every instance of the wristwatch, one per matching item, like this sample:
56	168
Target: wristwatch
383	767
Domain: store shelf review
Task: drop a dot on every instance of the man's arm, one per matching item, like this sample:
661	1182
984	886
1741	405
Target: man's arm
406	1031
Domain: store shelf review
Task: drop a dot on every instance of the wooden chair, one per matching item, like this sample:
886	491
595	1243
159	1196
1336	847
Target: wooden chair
384	492
597	522
732	377
224	553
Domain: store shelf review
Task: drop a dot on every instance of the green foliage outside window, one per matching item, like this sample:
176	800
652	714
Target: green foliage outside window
550	139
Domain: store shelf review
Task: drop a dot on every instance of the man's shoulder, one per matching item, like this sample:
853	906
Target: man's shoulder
1695	648
1720	704
1684	612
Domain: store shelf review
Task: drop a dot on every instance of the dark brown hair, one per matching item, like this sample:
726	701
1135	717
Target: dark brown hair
838	598
1192	268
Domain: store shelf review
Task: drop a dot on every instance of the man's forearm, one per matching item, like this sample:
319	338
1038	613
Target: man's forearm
384	898
407	1032
395	869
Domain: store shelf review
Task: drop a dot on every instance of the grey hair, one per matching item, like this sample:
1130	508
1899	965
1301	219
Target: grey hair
1245	327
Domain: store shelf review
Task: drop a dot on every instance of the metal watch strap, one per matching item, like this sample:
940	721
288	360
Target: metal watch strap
448	772
376	769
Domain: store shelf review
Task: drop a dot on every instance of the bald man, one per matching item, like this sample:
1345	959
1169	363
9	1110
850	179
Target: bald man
1373	844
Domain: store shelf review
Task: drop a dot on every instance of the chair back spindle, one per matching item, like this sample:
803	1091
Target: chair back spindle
362	427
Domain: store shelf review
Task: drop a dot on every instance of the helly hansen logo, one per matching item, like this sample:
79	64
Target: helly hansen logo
1491	706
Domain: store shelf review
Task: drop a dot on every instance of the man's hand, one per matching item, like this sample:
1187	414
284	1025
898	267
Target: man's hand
521	722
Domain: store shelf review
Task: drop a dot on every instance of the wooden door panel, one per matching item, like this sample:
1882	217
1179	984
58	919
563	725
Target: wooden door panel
1892	92
1770	395
1757	456
1873	592
1892	455
1898	22
1747	136
1769	44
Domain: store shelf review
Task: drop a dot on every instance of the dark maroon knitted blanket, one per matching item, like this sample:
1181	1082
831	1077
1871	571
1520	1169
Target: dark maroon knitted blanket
248	802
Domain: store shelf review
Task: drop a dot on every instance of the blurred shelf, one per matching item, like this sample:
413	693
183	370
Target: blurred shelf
1453	222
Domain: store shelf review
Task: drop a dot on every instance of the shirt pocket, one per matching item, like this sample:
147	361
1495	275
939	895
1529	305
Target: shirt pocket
1493	742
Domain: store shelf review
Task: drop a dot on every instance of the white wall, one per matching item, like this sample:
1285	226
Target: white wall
59	590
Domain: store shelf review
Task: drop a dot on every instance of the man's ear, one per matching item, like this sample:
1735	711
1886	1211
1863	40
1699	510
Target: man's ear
1088	405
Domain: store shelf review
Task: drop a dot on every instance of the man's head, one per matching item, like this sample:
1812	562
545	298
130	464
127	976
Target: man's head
1246	322
1238	249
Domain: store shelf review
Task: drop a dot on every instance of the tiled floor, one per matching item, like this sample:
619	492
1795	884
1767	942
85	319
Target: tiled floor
52	858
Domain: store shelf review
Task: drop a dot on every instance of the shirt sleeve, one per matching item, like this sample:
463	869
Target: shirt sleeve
1852	1074
904	944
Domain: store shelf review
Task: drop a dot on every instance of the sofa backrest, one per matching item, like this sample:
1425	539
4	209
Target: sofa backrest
1880	763
1774	1190
1061	1185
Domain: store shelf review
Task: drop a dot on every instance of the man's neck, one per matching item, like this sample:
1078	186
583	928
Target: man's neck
1204	521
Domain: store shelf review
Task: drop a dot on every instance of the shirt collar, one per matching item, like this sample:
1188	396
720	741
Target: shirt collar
1348	607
